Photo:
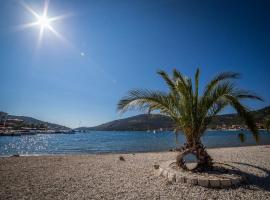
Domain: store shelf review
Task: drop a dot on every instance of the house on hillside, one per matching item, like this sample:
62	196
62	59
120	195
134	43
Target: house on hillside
3	117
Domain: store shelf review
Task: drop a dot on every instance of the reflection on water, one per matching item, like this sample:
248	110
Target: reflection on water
115	141
25	144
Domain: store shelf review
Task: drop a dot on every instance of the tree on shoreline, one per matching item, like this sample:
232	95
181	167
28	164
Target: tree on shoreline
192	112
267	123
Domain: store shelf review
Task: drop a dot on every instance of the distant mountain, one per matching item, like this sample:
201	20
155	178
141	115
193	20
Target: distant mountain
30	120
156	121
138	123
230	119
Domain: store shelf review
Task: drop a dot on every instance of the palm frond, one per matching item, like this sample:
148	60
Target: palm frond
224	76
179	76
245	94
215	98
244	113
140	98
168	80
197	75
149	100
181	84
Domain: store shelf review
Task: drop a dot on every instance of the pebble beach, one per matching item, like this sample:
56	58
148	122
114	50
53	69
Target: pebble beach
133	177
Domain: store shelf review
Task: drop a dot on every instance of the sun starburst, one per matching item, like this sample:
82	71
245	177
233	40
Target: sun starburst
43	21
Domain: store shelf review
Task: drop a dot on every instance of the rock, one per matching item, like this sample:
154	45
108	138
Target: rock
225	183
180	179
169	182
165	173
159	172
173	174
214	183
156	166
15	155
122	158
235	181
192	181
203	182
171	177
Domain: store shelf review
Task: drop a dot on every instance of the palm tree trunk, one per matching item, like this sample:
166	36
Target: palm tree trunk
205	161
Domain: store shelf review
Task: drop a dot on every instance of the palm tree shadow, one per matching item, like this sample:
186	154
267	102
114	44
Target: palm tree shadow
262	182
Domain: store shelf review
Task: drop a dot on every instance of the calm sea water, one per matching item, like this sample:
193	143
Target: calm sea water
114	141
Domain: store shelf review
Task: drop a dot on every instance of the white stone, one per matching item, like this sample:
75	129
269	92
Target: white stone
207	180
165	173
160	171
171	177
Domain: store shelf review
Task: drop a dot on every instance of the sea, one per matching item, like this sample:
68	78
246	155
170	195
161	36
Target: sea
99	142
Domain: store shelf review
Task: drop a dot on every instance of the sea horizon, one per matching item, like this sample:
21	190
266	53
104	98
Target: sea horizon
100	142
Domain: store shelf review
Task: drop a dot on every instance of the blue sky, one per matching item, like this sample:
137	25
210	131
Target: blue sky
124	43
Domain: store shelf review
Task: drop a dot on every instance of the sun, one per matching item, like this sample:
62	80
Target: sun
43	21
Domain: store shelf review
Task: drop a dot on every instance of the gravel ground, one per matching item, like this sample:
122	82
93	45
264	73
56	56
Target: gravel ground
106	177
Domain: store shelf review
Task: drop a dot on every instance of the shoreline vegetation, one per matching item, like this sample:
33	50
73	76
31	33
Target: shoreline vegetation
107	176
25	133
21	125
152	122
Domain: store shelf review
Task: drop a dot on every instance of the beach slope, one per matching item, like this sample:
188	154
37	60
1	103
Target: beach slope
107	177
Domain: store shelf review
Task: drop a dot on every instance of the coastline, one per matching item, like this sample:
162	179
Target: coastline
20	133
104	176
118	153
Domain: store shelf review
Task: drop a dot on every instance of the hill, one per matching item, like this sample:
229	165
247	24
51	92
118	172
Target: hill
230	119
155	121
136	123
33	121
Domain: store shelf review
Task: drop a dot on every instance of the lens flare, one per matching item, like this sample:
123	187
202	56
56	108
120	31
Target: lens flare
43	21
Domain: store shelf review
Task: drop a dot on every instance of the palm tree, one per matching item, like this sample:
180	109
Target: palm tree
267	123
192	112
